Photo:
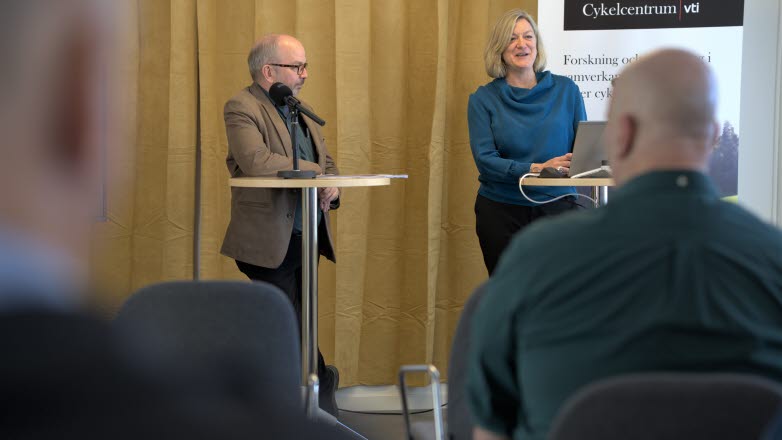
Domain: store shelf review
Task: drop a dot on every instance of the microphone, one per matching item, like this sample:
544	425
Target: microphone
283	95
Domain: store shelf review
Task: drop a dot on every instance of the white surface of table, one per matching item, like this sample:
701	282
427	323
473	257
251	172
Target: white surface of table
318	182
566	181
309	207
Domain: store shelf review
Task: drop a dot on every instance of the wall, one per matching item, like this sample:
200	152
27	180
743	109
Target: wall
760	162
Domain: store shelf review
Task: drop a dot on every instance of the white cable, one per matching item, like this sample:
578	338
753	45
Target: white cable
537	202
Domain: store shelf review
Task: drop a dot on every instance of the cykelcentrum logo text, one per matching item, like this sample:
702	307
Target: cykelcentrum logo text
601	10
652	14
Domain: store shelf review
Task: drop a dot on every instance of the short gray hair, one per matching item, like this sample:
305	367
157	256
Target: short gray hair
264	52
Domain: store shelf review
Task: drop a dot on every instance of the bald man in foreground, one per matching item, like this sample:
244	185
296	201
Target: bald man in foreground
666	277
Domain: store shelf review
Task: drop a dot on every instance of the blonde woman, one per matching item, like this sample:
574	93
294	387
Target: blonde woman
522	121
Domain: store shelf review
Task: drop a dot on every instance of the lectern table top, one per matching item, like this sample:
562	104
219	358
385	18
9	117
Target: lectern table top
318	182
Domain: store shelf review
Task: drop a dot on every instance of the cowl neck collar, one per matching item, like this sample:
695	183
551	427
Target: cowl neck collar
524	96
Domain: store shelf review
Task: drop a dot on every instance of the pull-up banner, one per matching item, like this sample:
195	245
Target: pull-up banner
646	14
590	42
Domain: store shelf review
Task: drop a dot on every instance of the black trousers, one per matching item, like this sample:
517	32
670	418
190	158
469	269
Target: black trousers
288	278
496	223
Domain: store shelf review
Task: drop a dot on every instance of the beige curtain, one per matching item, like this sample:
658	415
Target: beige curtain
392	78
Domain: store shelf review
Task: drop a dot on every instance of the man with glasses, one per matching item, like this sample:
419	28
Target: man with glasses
264	235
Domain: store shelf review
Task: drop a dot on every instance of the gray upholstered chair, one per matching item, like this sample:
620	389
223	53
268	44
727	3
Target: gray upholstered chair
691	406
214	321
459	421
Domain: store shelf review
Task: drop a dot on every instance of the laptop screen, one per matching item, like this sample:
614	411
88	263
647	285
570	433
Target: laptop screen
588	149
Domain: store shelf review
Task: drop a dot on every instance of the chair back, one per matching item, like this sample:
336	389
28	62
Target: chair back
691	406
213	321
459	421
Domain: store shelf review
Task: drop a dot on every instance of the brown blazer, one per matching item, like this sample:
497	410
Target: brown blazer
259	145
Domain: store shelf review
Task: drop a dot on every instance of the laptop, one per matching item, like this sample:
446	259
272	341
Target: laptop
589	151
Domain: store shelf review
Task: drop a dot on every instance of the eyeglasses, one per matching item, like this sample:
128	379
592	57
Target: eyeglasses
300	68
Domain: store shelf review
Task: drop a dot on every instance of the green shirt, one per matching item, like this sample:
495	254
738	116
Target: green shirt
666	277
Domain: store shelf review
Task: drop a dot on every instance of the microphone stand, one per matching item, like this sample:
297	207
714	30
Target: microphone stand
309	275
295	173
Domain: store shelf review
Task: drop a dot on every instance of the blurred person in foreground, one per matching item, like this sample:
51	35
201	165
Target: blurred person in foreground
64	374
521	122
666	277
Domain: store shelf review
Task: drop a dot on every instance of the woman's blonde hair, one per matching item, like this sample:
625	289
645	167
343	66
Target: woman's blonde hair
500	38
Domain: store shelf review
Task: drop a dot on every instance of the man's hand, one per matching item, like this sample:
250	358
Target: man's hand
326	196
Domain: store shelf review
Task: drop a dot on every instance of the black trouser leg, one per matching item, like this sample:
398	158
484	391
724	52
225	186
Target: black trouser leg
496	223
288	278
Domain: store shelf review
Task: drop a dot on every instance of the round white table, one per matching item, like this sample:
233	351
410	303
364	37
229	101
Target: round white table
309	215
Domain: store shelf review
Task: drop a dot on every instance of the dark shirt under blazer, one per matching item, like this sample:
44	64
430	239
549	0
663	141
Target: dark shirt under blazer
259	144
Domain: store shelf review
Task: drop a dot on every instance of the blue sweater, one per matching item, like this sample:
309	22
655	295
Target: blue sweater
511	128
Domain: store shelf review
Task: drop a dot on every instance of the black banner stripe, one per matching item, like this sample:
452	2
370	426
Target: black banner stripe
582	15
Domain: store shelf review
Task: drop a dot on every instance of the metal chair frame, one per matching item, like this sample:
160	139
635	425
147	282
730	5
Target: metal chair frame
437	409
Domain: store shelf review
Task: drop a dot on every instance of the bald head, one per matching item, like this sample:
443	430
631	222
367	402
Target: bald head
270	51
662	115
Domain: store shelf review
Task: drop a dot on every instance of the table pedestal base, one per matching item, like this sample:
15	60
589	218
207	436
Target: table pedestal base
309	243
309	285
600	194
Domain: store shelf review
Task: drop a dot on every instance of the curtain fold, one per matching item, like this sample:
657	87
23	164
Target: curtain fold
391	78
